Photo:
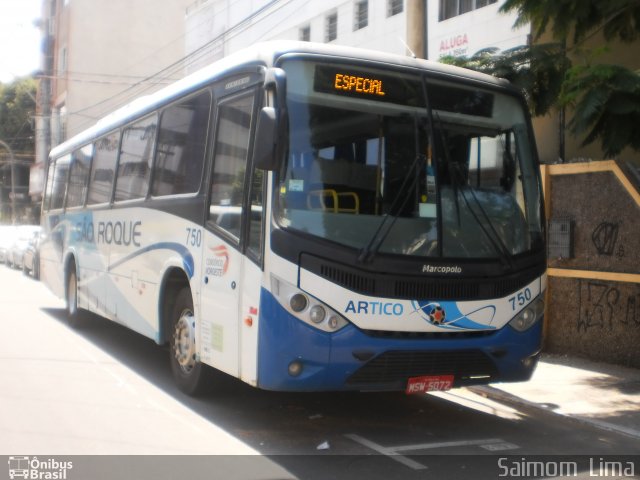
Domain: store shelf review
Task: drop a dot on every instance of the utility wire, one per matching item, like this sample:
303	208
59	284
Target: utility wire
181	63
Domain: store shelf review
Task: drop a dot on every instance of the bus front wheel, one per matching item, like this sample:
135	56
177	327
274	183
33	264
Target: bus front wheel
74	314
189	373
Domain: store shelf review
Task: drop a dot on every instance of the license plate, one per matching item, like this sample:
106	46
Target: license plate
432	383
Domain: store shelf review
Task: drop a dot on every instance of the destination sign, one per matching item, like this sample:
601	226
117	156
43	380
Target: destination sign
400	88
369	86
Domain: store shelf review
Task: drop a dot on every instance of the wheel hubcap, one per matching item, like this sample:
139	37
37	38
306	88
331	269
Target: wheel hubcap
184	342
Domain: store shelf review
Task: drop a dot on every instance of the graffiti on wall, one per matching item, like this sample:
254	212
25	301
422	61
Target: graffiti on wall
606	306
605	238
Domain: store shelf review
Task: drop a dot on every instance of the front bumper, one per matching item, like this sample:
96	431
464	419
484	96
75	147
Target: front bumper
352	359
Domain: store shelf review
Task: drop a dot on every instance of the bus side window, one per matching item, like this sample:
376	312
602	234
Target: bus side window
59	183
136	154
182	140
230	163
103	169
79	176
256	217
48	189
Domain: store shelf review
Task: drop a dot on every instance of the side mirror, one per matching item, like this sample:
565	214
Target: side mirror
264	148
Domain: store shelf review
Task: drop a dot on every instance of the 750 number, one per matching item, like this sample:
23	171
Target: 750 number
194	237
520	299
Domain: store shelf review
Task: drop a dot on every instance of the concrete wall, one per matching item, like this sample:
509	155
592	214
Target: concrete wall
593	303
110	47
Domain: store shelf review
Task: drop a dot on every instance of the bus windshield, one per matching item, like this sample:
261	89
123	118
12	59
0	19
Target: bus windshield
370	167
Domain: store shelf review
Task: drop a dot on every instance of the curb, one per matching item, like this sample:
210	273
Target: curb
501	396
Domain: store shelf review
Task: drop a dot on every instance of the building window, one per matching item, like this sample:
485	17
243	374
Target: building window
331	27
453	8
361	15
394	7
305	33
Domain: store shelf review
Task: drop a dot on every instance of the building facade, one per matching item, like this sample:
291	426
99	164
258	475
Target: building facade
463	27
98	56
215	28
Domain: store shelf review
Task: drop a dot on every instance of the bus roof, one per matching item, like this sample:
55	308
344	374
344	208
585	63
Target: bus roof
261	54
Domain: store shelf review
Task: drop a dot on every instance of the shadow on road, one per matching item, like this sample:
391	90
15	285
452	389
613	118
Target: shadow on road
289	428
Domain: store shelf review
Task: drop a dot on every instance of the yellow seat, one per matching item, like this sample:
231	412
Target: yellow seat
321	198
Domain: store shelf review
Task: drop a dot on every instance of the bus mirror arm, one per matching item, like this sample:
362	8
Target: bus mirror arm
269	125
274	79
264	150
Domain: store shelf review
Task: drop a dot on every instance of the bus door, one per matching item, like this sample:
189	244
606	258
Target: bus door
223	261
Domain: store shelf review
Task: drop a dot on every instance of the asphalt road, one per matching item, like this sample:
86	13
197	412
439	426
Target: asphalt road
104	390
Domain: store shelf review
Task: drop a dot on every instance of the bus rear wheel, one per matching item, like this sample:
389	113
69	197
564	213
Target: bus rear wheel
74	314
190	374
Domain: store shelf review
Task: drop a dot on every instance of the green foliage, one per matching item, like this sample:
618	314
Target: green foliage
606	102
617	19
17	107
605	98
538	70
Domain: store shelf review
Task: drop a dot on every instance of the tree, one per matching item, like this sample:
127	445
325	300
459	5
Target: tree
17	107
605	98
615	18
606	102
538	70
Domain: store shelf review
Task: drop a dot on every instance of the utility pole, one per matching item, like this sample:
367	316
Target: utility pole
43	104
417	27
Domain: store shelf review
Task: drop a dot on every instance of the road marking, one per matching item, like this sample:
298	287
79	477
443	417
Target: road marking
491	444
499	447
386	451
460	443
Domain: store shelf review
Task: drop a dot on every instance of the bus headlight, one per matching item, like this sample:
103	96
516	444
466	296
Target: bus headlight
317	313
305	307
529	315
298	302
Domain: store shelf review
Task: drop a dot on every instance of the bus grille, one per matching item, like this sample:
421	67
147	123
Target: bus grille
396	367
377	284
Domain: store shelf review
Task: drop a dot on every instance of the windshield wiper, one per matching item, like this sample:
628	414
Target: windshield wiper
389	218
369	251
458	185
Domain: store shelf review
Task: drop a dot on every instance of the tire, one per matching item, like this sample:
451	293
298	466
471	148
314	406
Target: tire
74	314
35	271
190	375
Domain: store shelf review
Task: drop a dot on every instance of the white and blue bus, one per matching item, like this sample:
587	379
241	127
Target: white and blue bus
310	217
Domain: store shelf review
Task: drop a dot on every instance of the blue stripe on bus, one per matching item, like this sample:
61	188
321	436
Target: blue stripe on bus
328	359
187	258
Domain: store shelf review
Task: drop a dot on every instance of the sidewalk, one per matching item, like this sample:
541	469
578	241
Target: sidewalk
606	396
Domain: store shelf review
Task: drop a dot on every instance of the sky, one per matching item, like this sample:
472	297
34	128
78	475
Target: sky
19	39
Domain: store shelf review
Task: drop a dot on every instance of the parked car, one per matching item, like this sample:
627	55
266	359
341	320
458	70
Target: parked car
31	258
16	251
8	234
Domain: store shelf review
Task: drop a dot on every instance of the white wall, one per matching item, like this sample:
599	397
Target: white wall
467	33
208	20
111	46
